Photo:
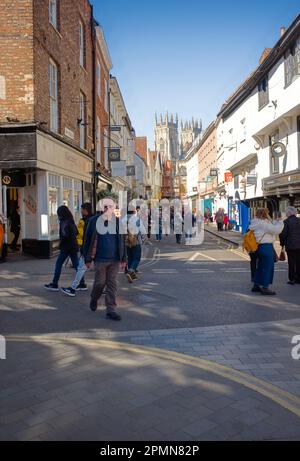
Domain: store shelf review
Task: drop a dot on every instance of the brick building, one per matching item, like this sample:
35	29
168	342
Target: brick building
47	130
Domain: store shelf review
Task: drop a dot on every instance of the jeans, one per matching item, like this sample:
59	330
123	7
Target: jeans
159	236
134	255
79	277
265	265
63	255
106	275
178	238
294	265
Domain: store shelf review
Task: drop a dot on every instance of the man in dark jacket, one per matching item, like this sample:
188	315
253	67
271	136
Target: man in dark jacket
105	245
290	239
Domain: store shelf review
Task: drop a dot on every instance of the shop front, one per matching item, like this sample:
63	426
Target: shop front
51	173
282	190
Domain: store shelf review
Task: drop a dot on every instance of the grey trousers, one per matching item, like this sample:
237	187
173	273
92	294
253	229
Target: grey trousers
106	276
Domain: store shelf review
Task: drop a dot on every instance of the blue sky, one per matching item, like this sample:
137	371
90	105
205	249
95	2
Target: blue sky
186	56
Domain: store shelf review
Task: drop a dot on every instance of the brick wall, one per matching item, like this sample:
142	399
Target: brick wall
16	60
62	46
100	110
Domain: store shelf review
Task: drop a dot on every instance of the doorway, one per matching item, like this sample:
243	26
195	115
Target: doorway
13	214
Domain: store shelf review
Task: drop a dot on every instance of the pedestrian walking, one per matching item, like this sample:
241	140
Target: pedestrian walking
220	219
135	237
226	221
68	244
290	240
105	245
79	282
178	226
265	231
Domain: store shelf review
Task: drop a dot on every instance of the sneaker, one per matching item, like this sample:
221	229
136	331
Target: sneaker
51	287
267	291
69	291
93	305
256	289
129	277
113	315
82	287
134	276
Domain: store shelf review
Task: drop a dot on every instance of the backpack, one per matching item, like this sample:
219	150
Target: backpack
249	242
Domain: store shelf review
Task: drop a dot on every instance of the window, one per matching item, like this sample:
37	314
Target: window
236	182
98	151
274	160
243	129
105	95
82	121
53	13
106	164
81	44
99	79
292	63
263	93
53	91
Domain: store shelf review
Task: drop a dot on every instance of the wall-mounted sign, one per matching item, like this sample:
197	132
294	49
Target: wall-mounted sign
130	170
13	179
114	154
195	189
115	128
69	133
118	169
208	179
278	149
228	176
213	172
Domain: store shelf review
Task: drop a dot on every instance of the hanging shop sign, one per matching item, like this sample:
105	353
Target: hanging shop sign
13	179
114	154
130	170
278	149
118	169
228	177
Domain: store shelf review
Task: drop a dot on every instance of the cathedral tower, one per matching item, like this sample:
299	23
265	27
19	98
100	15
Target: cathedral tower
189	132
166	137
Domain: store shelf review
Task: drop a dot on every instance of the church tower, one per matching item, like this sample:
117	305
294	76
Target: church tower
166	137
189	132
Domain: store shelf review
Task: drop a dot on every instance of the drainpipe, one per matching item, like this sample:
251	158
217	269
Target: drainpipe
95	177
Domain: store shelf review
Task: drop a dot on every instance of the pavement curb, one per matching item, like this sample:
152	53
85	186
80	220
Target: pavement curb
226	239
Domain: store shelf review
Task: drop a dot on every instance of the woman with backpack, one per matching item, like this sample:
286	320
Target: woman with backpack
265	231
68	244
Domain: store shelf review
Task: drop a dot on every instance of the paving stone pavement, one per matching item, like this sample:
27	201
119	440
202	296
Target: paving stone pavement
80	390
59	384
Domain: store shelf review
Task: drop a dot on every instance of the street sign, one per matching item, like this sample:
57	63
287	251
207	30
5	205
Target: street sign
115	128
114	154
130	170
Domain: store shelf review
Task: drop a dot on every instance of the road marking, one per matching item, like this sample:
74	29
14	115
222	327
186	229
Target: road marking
239	253
283	398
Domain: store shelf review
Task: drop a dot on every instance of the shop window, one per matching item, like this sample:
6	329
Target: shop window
105	95
237	182
53	205
98	149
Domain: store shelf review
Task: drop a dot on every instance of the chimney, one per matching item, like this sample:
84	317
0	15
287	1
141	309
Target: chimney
264	55
282	31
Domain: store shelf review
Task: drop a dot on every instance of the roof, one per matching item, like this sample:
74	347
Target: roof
141	146
270	59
